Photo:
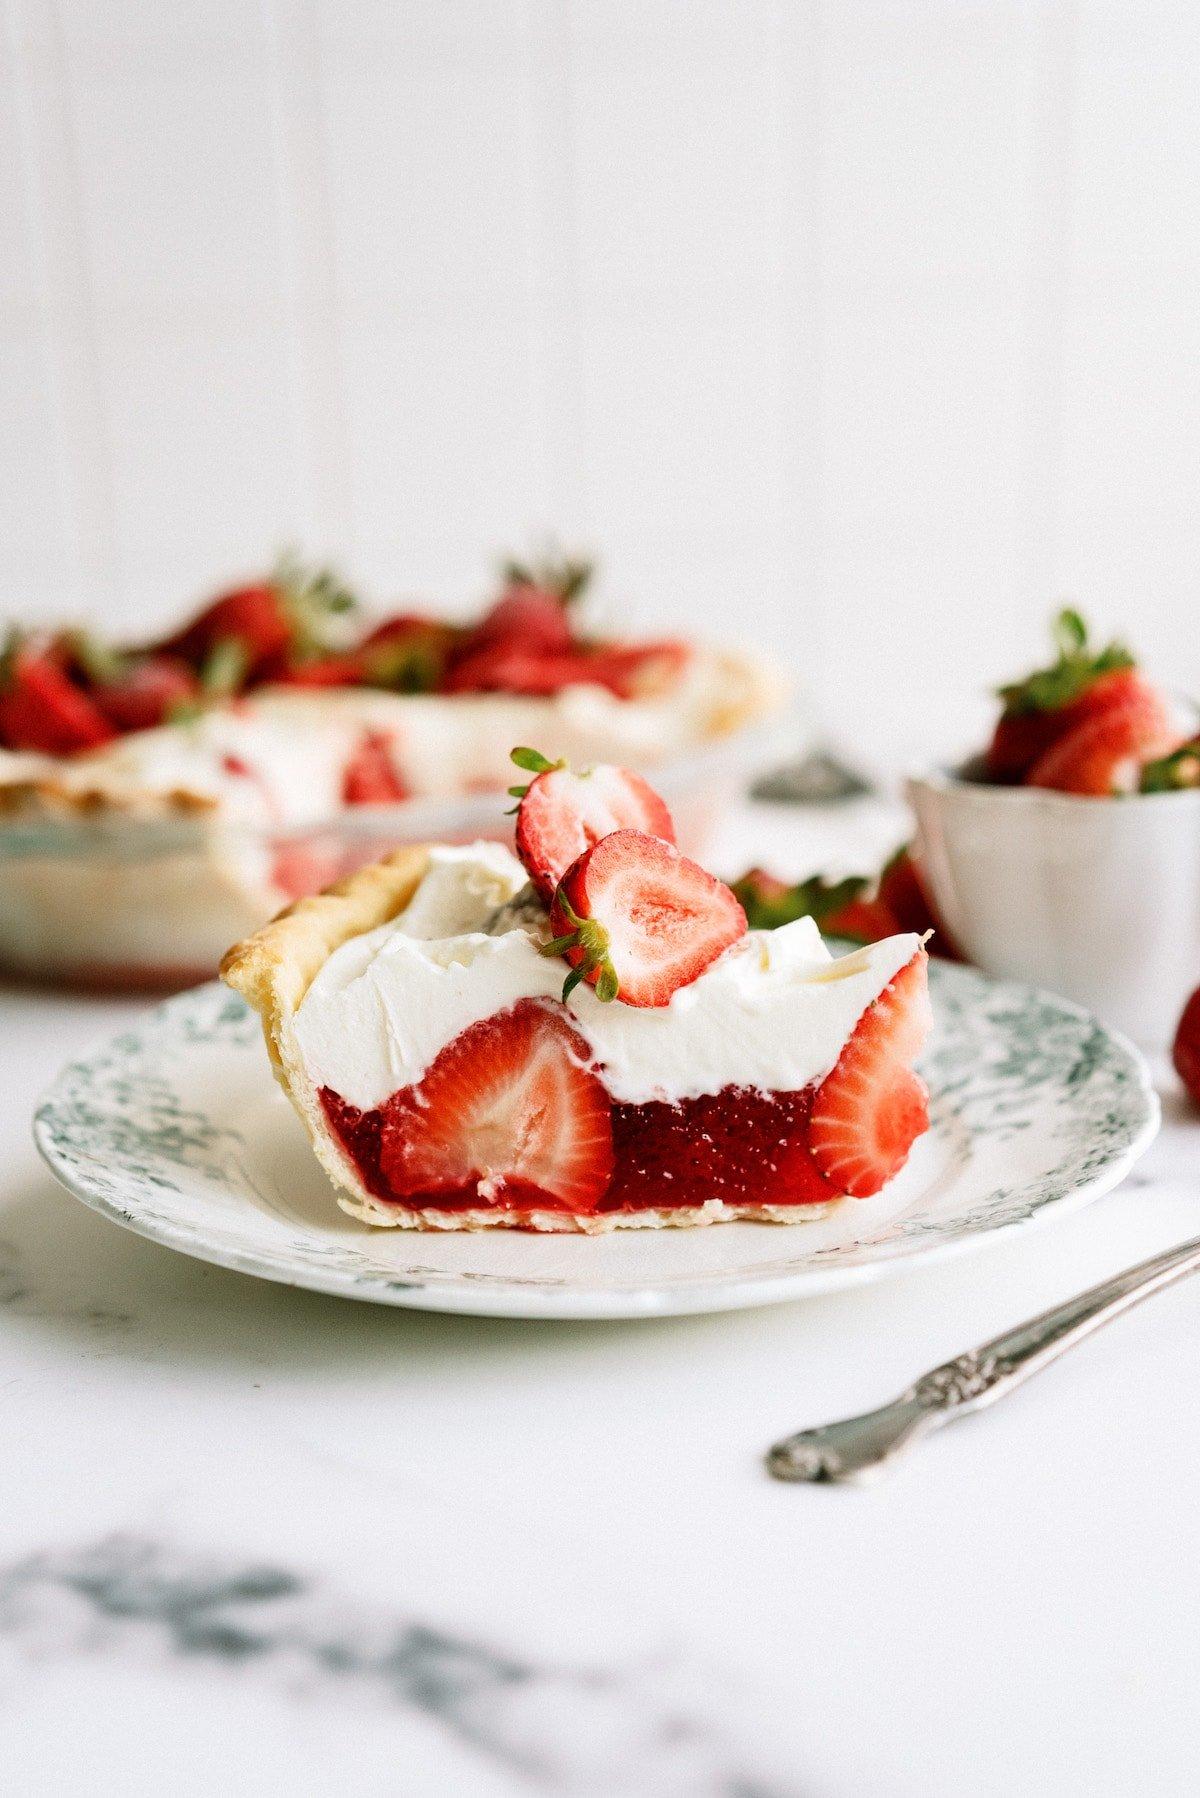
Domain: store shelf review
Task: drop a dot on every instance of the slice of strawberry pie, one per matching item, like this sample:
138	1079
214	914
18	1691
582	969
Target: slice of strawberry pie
588	1038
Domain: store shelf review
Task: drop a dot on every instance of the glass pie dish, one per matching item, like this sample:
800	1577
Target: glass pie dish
124	904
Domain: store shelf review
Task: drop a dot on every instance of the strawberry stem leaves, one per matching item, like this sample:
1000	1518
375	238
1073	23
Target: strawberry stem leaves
533	761
592	938
225	668
563	576
1078	665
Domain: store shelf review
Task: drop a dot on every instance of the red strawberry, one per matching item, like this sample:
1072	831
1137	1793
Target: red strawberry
865	920
528	617
1018	740
321	671
509	1111
637	920
562	813
870	1110
1099	754
254	617
147	693
1022	738
41	707
370	776
1186	1052
508	667
902	890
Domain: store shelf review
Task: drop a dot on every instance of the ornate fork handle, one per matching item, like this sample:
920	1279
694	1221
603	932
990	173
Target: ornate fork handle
859	1447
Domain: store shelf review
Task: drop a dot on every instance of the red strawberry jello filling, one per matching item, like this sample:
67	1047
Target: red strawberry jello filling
512	1115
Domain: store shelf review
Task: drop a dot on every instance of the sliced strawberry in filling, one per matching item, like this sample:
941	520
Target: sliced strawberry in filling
869	1111
509	1113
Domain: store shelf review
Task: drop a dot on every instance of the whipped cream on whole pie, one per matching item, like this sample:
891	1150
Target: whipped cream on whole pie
601	1045
279	756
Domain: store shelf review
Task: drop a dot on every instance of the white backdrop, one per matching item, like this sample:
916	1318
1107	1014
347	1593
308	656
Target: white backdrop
867	328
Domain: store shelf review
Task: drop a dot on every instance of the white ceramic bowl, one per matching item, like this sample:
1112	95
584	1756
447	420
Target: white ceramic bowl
1098	899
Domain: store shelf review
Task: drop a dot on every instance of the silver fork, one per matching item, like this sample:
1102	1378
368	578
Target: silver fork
859	1448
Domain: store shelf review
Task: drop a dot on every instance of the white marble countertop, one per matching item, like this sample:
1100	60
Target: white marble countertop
258	1540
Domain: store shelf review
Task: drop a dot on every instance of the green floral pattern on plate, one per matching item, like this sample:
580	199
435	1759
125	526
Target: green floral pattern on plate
175	1129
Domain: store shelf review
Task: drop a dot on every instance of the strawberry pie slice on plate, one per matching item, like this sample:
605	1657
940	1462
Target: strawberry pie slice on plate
416	1019
586	1039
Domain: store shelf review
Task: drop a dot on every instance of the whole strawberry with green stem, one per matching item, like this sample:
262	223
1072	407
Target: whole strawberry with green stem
1084	723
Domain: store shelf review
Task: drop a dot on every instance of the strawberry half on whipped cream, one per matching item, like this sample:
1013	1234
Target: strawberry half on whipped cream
586	1038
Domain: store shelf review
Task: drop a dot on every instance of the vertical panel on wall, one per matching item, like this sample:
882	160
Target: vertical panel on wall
59	490
1051	30
927	217
316	372
798	111
680	209
428	141
554	274
1131	528
178	187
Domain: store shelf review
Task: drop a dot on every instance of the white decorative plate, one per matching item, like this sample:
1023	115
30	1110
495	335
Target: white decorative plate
176	1129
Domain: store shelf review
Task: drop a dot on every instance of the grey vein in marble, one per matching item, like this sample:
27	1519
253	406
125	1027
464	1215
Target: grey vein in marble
556	1729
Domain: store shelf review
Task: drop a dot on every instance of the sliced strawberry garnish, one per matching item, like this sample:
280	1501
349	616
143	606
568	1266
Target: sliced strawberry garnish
147	693
562	813
1101	752
637	920
509	1112
41	707
870	1110
370	776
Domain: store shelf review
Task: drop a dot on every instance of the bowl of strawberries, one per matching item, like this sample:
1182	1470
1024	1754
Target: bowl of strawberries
1068	852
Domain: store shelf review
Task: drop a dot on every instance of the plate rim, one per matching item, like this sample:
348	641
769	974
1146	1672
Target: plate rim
456	1294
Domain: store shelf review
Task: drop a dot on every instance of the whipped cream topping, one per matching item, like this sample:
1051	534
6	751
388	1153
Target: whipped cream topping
772	1012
